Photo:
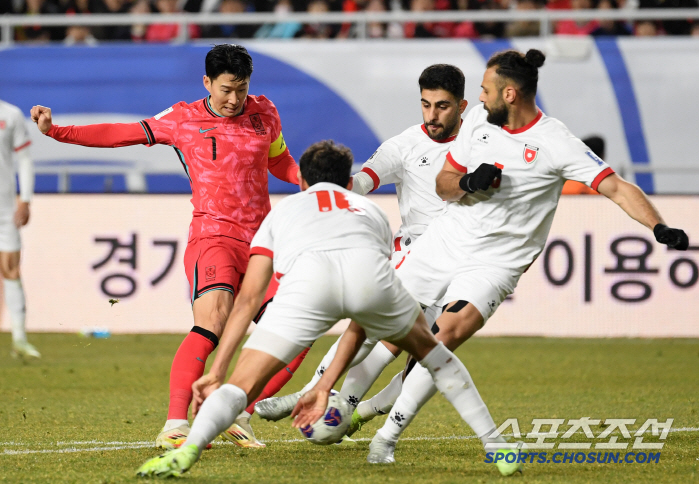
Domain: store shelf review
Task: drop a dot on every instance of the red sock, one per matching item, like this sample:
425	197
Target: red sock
279	380
188	367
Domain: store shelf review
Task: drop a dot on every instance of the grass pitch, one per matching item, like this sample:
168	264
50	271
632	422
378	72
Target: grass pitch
88	411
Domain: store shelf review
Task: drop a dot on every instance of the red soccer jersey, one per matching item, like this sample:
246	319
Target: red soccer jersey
226	159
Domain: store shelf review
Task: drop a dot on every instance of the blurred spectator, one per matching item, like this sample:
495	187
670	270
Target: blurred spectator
646	28
79	34
285	30
671	27
695	29
318	30
243	31
575	27
610	27
113	32
139	7
488	30
38	33
168	32
525	28
428	29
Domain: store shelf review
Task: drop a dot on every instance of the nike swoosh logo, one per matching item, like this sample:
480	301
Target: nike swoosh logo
200	359
202	131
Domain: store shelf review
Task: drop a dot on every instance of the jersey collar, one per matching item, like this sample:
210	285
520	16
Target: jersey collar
526	127
445	140
209	109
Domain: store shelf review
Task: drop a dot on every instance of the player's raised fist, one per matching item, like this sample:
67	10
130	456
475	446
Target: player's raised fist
673	238
41	115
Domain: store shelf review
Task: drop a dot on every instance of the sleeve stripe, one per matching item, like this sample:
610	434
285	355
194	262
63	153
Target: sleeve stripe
598	179
453	163
262	251
149	133
21	147
374	177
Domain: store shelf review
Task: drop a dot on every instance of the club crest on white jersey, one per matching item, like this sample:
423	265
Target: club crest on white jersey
531	153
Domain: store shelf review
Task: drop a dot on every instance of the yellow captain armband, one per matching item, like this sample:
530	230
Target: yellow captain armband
277	147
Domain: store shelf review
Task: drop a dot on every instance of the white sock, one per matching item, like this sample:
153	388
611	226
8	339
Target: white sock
418	388
363	352
218	412
173	423
382	402
454	382
14	298
360	377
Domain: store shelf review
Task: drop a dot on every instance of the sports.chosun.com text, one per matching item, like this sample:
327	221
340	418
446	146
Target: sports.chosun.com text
574	457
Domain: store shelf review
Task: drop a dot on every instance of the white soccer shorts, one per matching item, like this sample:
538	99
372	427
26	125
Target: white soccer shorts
9	234
327	286
437	271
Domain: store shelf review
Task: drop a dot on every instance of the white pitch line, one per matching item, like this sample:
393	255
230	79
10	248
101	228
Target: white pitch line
118	445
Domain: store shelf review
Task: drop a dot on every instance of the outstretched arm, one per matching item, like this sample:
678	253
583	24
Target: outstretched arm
636	204
312	405
281	164
246	305
95	135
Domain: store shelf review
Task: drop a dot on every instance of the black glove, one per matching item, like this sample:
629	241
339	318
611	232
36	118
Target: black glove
480	179
673	238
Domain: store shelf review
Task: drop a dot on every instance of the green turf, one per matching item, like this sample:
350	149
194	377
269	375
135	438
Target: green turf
115	390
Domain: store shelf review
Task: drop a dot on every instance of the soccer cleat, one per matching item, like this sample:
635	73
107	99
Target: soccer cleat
357	422
172	463
24	349
381	451
508	468
277	408
173	438
241	433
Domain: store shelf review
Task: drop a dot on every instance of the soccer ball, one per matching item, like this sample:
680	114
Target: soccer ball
332	426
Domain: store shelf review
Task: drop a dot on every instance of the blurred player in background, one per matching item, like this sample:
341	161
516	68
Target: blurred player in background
226	143
14	213
412	161
504	174
331	247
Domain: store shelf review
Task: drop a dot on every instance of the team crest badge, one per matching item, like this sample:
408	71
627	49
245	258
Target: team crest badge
210	273
530	153
257	124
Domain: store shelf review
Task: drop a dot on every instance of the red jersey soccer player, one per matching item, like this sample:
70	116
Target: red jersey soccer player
226	143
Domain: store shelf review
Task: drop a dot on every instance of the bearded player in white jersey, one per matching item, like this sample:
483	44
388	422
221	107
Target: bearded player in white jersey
14	213
412	161
503	175
329	247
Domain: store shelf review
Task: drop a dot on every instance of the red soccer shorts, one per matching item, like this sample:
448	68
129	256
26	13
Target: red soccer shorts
215	263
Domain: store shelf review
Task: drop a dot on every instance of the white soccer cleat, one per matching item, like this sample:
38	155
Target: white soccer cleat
24	349
277	408
241	433
172	438
381	451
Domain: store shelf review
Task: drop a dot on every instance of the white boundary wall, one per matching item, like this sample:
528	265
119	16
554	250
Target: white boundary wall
64	293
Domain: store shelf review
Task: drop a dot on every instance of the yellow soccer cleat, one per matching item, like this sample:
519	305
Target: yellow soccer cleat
508	461
172	463
241	433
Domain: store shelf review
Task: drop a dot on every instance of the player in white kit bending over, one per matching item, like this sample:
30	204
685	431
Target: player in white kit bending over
412	161
329	247
504	175
14	213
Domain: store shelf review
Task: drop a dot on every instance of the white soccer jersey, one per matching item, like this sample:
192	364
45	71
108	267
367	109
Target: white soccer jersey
13	137
507	226
412	161
324	217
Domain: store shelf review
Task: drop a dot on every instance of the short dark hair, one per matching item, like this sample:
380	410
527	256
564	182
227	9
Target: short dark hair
443	76
228	59
521	69
326	161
